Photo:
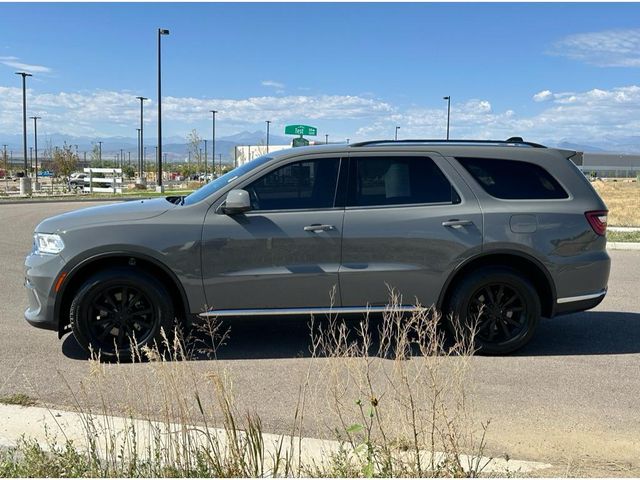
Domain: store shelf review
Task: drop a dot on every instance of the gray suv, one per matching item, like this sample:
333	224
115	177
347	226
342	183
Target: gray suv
507	231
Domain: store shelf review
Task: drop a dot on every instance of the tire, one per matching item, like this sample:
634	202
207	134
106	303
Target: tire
505	305
117	305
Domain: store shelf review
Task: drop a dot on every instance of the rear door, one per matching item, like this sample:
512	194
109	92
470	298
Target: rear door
409	220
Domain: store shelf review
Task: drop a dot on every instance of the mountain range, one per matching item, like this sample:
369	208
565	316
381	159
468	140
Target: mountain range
176	147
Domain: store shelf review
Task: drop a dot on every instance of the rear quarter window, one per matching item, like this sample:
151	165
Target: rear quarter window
513	179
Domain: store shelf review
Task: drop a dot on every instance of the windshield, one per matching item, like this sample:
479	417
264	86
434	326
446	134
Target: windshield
220	182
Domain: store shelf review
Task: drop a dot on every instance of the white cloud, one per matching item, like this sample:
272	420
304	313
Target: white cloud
273	84
609	48
542	96
581	116
14	62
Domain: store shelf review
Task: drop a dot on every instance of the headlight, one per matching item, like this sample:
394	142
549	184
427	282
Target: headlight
48	243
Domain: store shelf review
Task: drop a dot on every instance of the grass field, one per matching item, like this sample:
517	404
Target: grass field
623	201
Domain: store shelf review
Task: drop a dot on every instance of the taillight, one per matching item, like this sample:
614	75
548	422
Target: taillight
598	220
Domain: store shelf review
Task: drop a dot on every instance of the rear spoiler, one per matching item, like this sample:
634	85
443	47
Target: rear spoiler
575	157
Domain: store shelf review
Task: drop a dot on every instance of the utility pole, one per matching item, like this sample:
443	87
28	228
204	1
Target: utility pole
141	141
35	139
159	187
448	99
205	160
100	154
25	181
213	138
268	122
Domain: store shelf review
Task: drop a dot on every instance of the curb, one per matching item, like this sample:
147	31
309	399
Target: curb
51	427
623	245
624	229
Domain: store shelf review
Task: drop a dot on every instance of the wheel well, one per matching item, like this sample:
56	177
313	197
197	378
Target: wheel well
528	268
131	261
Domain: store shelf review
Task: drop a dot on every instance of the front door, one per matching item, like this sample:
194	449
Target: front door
285	251
409	220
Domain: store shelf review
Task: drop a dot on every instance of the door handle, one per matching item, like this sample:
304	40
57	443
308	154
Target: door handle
454	223
317	228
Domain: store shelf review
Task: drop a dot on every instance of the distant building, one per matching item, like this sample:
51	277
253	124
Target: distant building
246	153
611	164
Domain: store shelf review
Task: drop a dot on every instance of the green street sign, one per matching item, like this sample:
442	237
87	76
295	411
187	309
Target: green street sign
300	142
300	130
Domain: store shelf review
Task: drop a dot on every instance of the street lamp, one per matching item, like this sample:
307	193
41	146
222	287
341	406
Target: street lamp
159	187
213	138
205	160
268	122
448	99
397	128
100	154
25	181
141	141
326	138
35	141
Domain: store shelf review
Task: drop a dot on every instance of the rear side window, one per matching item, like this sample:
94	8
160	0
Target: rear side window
398	181
513	180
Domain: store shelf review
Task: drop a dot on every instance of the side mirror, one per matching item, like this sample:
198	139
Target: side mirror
237	201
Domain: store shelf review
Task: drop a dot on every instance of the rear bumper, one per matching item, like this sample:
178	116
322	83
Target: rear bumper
579	303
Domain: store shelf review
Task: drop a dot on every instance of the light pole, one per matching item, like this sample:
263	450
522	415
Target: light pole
347	141
159	187
448	99
100	154
220	163
326	138
141	141
25	181
205	160
397	128
213	138
268	122
6	168
139	158
35	141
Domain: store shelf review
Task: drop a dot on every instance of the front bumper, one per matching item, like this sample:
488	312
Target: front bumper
41	272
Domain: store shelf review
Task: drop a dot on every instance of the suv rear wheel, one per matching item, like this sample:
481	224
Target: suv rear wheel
119	310
505	305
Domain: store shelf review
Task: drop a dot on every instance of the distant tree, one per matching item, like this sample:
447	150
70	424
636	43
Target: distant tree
128	171
194	141
64	162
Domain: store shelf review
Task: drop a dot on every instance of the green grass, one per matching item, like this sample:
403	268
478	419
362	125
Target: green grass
18	399
623	236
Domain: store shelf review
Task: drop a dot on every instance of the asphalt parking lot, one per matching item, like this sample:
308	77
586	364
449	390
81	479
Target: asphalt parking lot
570	398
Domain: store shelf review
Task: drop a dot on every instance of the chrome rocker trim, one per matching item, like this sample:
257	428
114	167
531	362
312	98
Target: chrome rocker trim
307	311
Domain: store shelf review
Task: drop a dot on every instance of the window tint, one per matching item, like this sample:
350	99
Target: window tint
513	180
308	184
398	181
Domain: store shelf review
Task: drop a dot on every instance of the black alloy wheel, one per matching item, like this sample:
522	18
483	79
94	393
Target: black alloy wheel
119	310
501	304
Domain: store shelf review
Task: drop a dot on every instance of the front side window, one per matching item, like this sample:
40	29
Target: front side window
513	179
310	184
398	181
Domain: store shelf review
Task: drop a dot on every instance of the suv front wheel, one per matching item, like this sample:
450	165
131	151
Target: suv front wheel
501	304
120	310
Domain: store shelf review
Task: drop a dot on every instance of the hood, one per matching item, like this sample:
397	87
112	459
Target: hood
114	213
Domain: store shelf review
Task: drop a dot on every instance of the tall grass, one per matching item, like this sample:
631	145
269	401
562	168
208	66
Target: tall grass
390	394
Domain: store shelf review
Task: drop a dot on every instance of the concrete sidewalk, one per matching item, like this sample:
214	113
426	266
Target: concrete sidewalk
58	426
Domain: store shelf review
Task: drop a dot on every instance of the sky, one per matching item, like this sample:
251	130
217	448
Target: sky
548	72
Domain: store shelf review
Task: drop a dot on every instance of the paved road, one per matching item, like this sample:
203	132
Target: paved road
571	398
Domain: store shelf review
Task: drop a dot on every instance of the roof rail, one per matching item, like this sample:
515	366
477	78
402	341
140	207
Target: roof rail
509	141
